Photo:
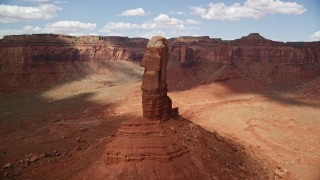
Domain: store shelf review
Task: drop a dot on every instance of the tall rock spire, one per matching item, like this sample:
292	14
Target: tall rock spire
155	102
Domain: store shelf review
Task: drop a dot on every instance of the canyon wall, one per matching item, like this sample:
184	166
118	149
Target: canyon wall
62	48
251	56
43	59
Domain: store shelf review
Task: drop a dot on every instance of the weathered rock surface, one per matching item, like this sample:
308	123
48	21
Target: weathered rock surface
155	102
253	56
41	60
148	140
29	49
146	148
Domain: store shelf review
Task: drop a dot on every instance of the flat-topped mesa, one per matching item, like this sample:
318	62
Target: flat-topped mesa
155	102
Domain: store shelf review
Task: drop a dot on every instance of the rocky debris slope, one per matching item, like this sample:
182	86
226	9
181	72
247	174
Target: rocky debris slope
175	148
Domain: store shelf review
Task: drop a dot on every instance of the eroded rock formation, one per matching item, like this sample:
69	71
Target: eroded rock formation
253	56
172	149
42	59
155	102
44	48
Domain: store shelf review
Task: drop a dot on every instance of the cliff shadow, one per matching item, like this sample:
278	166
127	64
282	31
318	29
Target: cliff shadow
225	80
71	131
49	102
218	153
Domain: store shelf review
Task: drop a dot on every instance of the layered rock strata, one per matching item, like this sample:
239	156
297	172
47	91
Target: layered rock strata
150	148
145	138
252	55
40	60
174	149
44	60
46	48
155	102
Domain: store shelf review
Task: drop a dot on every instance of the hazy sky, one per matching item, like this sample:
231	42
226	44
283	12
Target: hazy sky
283	20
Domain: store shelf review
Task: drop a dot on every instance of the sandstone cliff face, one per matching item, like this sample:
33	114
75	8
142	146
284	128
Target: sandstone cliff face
42	59
276	61
252	56
62	48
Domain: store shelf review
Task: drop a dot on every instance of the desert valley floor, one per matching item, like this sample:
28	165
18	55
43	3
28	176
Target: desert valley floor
60	131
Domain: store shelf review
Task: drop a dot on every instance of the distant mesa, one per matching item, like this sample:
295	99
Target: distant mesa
254	37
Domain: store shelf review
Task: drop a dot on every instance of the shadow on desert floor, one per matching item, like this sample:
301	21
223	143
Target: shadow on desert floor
282	93
34	121
76	124
74	114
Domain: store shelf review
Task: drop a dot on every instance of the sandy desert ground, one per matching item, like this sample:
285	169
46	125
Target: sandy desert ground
58	132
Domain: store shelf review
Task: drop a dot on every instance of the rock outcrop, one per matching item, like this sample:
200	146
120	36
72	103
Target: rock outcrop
155	102
146	148
145	138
